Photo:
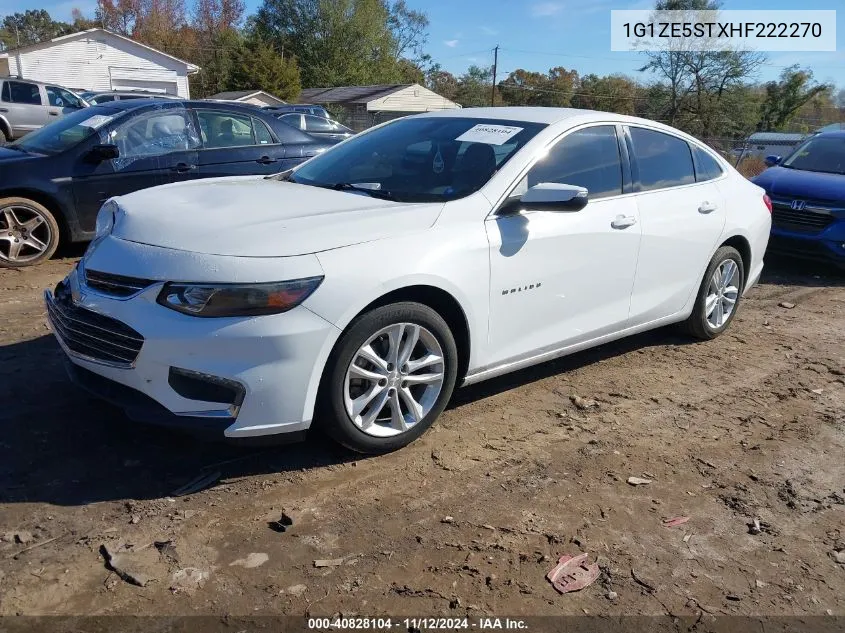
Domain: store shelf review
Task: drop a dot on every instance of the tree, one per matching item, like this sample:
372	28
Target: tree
614	93
30	27
785	97
118	16
342	42
258	66
698	82
526	88
442	82
474	86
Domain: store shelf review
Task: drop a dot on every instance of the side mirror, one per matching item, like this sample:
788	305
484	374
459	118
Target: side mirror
100	153
772	160
548	196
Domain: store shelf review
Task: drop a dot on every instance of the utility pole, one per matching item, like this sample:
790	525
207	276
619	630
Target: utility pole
495	64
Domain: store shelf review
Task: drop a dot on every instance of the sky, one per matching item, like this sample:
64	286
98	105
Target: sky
541	34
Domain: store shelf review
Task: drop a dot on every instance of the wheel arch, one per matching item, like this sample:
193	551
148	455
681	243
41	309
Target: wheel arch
6	127
48	201
435	297
741	244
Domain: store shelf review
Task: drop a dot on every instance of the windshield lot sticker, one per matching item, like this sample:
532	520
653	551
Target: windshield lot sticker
490	134
96	121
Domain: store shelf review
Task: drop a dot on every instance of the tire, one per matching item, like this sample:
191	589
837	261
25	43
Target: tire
24	234
698	324
4	136
341	385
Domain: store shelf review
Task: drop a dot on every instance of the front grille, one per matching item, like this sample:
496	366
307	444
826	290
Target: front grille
805	221
114	285
92	335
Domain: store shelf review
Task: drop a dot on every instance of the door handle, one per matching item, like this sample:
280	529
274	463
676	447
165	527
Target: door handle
623	221
53	113
4	109
707	207
183	167
267	160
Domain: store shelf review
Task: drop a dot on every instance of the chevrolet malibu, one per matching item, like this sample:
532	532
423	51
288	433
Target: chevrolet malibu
358	289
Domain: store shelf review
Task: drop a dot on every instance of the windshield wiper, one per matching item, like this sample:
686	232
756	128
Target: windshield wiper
282	176
17	148
349	186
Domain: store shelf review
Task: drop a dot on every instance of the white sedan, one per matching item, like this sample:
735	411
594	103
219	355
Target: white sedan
359	289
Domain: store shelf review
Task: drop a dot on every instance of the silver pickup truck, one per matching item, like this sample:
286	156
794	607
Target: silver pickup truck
27	105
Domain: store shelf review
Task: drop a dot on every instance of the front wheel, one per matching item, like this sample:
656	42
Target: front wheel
718	296
389	378
29	234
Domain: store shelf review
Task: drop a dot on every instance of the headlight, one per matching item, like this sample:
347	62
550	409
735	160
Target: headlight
228	300
105	219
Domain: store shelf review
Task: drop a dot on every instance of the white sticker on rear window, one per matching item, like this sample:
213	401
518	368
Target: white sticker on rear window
490	134
96	121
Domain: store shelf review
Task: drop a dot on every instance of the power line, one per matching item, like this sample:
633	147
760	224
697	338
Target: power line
618	59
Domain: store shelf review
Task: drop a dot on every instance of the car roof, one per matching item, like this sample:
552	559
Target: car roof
132	104
833	134
550	116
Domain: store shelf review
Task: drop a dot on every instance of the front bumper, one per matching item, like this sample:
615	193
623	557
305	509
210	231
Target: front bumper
235	377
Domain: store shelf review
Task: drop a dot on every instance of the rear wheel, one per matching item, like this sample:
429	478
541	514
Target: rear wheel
718	296
4	136
29	234
389	378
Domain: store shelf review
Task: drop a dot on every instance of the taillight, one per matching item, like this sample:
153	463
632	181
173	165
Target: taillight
768	202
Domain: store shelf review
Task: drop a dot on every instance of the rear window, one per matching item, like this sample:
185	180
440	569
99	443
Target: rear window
21	92
706	167
663	160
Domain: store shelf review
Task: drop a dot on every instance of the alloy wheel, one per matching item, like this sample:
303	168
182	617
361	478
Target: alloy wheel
722	294
394	379
24	234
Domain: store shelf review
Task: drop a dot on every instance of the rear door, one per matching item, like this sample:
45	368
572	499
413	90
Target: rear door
681	219
22	103
237	144
157	146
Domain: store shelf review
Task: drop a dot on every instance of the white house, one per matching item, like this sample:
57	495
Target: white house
101	61
254	97
364	106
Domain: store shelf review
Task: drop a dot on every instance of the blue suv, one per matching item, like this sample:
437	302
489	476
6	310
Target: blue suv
807	189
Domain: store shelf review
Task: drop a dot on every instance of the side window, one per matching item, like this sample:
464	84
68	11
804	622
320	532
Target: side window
663	160
586	158
316	124
292	119
61	98
220	129
262	134
22	92
104	99
155	134
5	95
706	167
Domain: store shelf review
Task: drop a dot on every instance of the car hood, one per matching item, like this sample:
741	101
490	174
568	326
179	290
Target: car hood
256	217
782	182
8	156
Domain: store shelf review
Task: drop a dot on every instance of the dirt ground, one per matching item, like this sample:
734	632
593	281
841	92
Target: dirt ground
469	519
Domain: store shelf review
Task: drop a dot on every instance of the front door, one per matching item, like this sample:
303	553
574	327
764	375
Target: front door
156	147
236	144
560	278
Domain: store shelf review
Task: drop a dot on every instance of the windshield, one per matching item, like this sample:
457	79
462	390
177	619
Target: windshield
425	159
822	153
66	132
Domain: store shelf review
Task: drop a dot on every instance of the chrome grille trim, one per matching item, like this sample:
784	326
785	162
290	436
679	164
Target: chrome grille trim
91	336
114	285
806	220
